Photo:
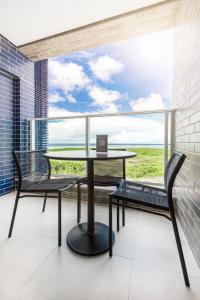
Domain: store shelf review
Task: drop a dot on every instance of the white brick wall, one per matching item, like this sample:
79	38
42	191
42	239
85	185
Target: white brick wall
187	127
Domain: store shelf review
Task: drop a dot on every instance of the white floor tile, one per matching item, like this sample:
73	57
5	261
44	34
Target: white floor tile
145	263
154	283
68	276
20	256
156	245
150	283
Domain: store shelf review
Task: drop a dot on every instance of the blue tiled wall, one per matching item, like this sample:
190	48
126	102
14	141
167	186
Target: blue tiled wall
7	90
17	103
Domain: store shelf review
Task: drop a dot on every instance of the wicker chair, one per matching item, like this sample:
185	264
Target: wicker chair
153	200
34	177
107	174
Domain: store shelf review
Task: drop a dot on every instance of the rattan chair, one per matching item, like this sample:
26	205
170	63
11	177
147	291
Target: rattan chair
151	199
107	173
34	178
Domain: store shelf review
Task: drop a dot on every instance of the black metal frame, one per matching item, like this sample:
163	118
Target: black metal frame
40	194
98	184
169	182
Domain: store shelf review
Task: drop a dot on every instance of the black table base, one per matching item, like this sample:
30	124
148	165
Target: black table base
82	243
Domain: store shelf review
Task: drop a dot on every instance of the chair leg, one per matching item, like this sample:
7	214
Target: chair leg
78	203
180	250
118	215
14	213
59	220
110	226
123	213
44	203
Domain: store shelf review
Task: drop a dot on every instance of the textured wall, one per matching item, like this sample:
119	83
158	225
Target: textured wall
23	94
16	104
7	98
41	88
41	102
187	127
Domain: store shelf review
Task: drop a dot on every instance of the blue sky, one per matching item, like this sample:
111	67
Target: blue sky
132	75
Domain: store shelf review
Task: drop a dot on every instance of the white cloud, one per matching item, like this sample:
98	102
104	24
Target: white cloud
55	111
128	129
148	59
104	67
65	131
104	98
67	76
83	54
120	129
153	102
55	98
71	99
109	108
78	56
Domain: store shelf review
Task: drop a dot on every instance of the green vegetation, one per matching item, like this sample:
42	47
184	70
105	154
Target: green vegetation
68	167
147	164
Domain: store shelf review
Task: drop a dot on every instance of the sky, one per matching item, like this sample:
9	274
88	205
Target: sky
131	75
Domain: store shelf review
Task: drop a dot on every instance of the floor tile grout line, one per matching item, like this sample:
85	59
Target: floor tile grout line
163	268
43	235
138	219
32	274
37	234
153	266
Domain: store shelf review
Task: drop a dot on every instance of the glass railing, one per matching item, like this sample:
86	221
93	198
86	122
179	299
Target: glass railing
148	133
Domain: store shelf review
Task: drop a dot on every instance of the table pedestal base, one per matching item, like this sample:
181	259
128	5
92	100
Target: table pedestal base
82	243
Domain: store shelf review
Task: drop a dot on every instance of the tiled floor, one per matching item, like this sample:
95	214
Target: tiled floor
145	265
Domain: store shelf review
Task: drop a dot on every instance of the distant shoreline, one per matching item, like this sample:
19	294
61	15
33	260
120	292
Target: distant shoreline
77	145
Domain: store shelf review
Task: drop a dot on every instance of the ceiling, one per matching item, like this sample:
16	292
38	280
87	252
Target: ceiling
46	28
25	21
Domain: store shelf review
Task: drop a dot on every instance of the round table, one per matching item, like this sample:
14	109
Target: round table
90	238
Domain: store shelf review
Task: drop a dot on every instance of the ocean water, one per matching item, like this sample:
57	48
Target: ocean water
117	146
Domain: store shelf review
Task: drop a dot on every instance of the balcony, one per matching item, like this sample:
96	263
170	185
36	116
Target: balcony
38	262
145	261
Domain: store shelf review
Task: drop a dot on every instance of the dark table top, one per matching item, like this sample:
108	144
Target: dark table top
90	155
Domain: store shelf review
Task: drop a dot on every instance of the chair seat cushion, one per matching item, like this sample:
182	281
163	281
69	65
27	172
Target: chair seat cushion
104	180
142	194
51	185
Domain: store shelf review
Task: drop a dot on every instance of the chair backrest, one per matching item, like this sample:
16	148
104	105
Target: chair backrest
172	168
110	168
32	167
